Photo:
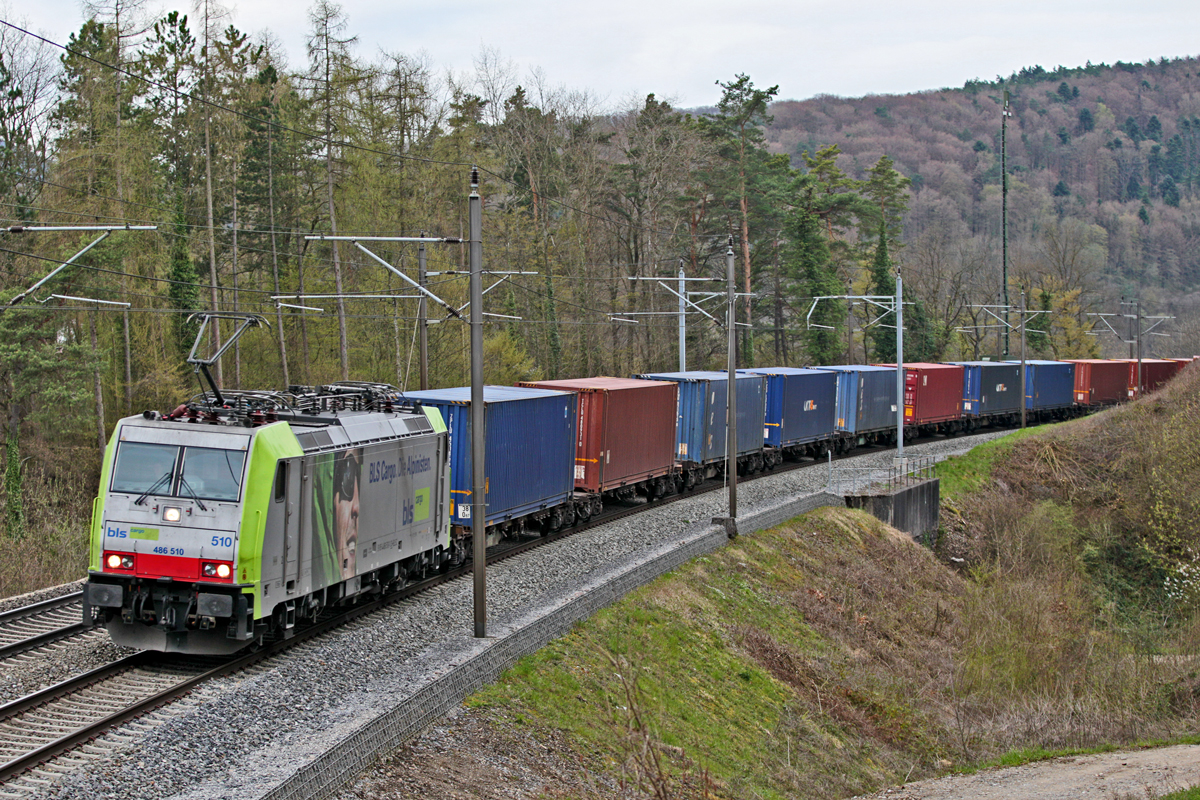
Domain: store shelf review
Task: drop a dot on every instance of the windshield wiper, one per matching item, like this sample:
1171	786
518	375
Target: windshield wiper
183	482
166	476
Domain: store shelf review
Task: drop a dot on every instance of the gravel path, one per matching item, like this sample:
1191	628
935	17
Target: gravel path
1138	774
259	719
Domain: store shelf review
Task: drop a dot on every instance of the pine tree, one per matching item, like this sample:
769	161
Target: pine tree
736	130
810	267
883	282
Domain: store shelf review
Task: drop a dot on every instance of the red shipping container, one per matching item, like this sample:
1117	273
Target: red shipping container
1155	372
626	430
932	392
1099	382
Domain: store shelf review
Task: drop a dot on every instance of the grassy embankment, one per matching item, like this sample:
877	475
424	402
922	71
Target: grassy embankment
829	656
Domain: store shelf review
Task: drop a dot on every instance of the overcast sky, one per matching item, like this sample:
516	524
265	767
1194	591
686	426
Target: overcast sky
621	50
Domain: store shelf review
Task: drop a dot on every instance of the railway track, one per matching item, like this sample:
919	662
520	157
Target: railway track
33	626
52	732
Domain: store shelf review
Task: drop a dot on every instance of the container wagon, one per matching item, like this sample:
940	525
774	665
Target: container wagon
701	426
801	410
529	456
1099	382
932	396
1155	372
866	403
1049	388
625	435
991	392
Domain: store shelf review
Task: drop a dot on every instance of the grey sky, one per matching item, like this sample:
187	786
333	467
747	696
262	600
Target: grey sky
622	49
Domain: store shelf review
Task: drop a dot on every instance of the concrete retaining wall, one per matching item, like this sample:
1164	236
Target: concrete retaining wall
912	509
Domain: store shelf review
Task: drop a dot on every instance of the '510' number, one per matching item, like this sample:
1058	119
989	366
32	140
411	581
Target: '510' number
222	541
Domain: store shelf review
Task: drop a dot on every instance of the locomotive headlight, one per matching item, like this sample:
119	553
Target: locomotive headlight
114	561
127	562
223	571
172	514
209	570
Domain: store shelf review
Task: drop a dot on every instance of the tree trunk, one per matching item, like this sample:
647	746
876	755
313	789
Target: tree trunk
99	387
343	345
118	163
237	346
748	337
275	256
212	241
303	322
14	510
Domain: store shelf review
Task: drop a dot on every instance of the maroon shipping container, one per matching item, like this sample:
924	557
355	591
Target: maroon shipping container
932	392
1155	372
626	430
1099	382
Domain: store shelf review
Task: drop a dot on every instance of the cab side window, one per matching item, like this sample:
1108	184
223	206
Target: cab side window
280	481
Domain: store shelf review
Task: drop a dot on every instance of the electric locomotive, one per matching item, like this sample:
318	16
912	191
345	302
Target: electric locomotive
236	515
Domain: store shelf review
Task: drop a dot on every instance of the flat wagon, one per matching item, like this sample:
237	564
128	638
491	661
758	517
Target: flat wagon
529	455
866	402
701	426
801	409
625	434
991	390
1099	382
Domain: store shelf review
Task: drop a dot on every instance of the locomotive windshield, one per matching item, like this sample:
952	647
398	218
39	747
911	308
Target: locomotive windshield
163	469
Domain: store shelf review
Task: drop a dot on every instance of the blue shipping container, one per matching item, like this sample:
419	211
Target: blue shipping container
703	396
529	453
801	405
1048	384
990	387
866	397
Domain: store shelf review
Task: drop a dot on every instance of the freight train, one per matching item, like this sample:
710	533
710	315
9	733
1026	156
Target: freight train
235	516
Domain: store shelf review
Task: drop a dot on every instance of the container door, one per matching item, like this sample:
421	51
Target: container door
912	389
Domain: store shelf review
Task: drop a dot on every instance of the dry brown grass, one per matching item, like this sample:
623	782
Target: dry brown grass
1068	617
52	547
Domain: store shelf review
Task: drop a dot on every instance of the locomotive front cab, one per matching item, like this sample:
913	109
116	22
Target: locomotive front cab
164	572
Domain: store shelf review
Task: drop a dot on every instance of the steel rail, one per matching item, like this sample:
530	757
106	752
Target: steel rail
23	613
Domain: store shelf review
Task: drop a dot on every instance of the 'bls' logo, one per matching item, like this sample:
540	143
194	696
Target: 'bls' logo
117	533
407	513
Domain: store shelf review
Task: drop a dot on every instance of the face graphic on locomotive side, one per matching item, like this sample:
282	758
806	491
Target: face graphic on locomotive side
336	499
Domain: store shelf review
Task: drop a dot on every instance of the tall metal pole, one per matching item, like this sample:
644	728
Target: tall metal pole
1004	210
850	325
1137	304
422	319
682	319
899	369
731	397
478	479
1128	327
1022	358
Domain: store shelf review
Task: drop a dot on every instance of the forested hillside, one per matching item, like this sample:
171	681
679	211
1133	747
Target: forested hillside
191	124
1104	166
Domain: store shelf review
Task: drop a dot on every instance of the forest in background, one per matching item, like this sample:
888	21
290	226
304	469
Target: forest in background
188	123
1104	171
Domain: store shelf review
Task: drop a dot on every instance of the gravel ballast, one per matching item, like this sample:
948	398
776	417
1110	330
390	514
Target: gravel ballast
249	731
